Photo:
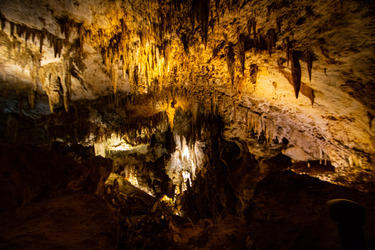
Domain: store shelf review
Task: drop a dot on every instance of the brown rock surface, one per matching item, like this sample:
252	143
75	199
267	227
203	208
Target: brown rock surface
290	211
48	201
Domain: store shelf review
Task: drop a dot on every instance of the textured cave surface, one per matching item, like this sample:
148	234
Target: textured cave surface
176	124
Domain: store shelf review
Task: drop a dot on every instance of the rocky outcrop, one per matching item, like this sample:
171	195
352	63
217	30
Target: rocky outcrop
48	201
295	215
28	177
71	220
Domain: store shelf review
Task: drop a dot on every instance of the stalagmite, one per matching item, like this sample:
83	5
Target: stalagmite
296	72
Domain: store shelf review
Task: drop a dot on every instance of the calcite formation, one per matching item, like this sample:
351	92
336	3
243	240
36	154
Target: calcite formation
278	70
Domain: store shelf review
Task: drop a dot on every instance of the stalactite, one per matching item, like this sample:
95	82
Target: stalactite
249	26
11	28
304	88
20	30
309	58
201	11
241	51
253	73
114	74
65	25
269	46
230	61
296	72
271	40
371	117
124	66
51	40
251	29
135	77
41	38
33	34
166	52
27	35
57	46
2	20
185	42
279	20
261	43
217	7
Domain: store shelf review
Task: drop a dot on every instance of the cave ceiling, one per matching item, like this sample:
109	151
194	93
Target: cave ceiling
299	70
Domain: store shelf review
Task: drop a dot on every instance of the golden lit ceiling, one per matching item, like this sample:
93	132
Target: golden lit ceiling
291	68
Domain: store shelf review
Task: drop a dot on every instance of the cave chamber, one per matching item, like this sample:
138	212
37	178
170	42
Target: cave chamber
198	124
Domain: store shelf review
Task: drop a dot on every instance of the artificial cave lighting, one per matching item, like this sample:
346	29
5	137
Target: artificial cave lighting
185	163
115	143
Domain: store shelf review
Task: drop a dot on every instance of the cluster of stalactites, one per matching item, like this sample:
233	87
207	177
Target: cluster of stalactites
323	157
255	39
142	58
23	31
56	81
144	53
294	55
